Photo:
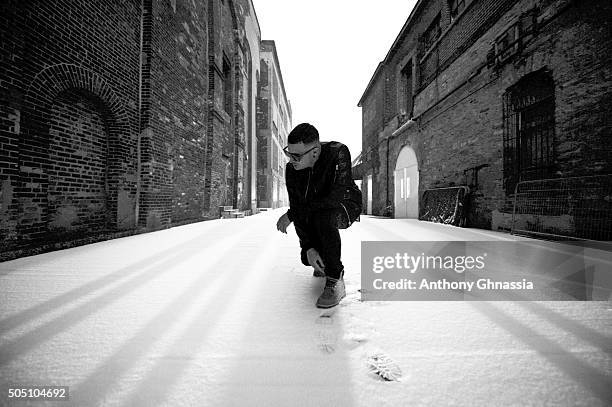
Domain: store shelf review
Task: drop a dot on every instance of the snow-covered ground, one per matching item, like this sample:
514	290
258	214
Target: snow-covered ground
221	313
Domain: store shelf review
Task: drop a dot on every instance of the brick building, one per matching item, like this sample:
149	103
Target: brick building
274	125
253	37
484	94
118	116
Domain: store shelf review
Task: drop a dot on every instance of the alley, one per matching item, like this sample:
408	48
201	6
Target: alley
221	313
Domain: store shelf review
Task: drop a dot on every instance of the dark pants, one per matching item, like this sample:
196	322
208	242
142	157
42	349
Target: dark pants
320	231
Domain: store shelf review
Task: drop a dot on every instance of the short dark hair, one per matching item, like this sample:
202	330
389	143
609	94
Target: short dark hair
303	133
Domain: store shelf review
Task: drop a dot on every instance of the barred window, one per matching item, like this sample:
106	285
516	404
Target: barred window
529	130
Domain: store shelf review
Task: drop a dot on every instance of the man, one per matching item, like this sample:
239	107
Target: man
322	199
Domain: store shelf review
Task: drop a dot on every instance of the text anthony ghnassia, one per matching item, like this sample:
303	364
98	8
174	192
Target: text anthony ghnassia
444	284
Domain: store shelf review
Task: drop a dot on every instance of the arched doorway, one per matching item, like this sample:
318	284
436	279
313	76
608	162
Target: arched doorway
78	163
406	181
73	122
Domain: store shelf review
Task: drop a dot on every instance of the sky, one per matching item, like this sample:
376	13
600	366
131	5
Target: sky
328	51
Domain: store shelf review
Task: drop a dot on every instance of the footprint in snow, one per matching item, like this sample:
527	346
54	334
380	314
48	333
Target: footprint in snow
326	337
383	366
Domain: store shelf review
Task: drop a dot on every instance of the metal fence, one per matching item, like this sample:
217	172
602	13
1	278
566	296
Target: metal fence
444	205
574	208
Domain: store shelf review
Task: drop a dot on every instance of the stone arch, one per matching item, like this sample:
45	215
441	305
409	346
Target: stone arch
51	81
48	86
406	184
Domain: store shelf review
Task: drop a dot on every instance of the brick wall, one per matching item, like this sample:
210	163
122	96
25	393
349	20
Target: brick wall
82	82
47	50
409	45
472	26
372	114
253	40
222	19
78	153
179	89
264	133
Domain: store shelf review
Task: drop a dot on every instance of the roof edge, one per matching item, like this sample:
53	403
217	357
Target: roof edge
407	24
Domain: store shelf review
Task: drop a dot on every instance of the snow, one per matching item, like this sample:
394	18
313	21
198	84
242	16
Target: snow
221	313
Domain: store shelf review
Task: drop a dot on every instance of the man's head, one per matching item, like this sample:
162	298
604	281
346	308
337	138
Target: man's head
304	146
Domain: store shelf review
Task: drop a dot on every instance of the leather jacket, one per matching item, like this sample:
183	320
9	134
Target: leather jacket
328	184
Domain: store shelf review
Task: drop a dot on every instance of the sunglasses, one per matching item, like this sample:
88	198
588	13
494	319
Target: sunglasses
295	156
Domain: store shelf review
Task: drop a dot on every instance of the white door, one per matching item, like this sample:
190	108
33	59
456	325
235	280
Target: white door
406	179
402	192
369	186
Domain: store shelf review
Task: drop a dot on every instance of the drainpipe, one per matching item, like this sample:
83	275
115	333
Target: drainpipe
387	204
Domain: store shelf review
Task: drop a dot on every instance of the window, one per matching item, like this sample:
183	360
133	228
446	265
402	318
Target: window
529	130
262	82
406	82
511	41
456	7
274	156
507	44
432	33
227	85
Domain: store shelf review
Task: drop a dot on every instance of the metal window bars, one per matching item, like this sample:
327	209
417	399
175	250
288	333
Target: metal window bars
529	130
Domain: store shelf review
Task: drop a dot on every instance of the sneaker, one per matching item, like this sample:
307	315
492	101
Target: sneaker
317	273
332	293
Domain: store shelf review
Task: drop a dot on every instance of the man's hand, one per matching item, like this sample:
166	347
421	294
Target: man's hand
283	223
315	260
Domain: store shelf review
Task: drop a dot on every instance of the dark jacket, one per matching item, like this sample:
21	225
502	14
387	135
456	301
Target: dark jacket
327	185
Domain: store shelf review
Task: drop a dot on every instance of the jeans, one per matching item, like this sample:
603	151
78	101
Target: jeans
320	231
